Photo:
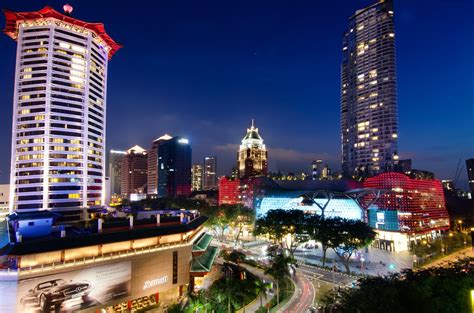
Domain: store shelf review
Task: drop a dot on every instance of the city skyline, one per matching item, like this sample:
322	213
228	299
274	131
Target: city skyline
278	113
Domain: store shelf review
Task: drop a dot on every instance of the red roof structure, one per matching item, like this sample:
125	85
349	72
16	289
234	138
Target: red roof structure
13	19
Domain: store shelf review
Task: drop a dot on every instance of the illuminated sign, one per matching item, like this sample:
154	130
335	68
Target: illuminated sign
380	217
75	290
183	141
155	282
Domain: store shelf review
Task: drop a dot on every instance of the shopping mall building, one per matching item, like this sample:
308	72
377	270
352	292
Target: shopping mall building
402	210
119	267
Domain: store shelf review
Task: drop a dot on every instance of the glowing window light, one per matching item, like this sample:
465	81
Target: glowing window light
76	79
64	45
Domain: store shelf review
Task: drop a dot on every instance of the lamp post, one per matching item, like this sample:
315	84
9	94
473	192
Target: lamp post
472	238
472	300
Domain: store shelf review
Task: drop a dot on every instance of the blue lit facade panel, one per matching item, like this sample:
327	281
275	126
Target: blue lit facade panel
383	219
345	207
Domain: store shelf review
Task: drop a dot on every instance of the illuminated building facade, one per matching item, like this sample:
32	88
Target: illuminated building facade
134	167
59	108
209	181
196	173
174	167
115	267
407	210
316	168
4	198
115	171
369	118
342	206
252	156
470	175
229	190
152	171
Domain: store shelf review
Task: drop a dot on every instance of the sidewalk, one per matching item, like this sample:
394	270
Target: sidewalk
375	262
467	252
255	304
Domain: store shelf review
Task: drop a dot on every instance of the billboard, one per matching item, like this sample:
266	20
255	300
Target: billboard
76	290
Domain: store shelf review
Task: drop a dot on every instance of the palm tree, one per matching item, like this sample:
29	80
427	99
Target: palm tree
280	270
228	291
198	302
261	288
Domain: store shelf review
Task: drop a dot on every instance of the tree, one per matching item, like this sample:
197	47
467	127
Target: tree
236	256
280	270
322	230
198	302
219	218
349	236
261	287
285	227
434	290
175	308
243	216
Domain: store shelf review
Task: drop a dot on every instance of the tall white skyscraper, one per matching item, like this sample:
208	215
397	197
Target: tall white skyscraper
59	108
369	122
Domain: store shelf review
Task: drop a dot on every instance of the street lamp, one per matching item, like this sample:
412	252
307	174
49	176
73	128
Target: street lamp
472	238
472	300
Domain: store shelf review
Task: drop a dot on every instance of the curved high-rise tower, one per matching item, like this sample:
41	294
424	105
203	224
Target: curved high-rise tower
59	107
369	124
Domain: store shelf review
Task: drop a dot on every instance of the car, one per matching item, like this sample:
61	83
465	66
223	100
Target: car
54	292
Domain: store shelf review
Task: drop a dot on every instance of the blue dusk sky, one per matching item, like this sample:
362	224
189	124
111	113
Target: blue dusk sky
204	69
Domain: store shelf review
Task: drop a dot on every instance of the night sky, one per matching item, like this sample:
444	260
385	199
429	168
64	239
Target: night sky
204	69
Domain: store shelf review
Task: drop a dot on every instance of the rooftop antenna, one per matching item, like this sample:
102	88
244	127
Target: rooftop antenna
253	122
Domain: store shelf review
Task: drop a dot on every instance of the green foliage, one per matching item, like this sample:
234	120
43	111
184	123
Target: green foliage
449	243
323	230
222	217
174	308
433	290
236	257
225	295
282	224
349	236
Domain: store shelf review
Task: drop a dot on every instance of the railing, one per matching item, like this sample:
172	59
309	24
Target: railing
99	258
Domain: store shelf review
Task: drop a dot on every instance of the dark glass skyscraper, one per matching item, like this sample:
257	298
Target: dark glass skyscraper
209	181
470	175
115	171
134	171
369	123
174	167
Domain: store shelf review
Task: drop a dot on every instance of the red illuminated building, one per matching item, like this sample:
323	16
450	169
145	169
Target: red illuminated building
413	207
229	190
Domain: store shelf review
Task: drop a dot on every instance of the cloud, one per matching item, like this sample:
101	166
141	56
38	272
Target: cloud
282	154
228	147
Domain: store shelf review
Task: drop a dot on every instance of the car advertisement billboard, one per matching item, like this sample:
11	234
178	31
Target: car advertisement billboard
76	290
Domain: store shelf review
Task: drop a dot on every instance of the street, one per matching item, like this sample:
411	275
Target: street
303	297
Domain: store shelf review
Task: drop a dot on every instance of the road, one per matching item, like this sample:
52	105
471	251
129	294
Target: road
339	279
303	297
255	305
